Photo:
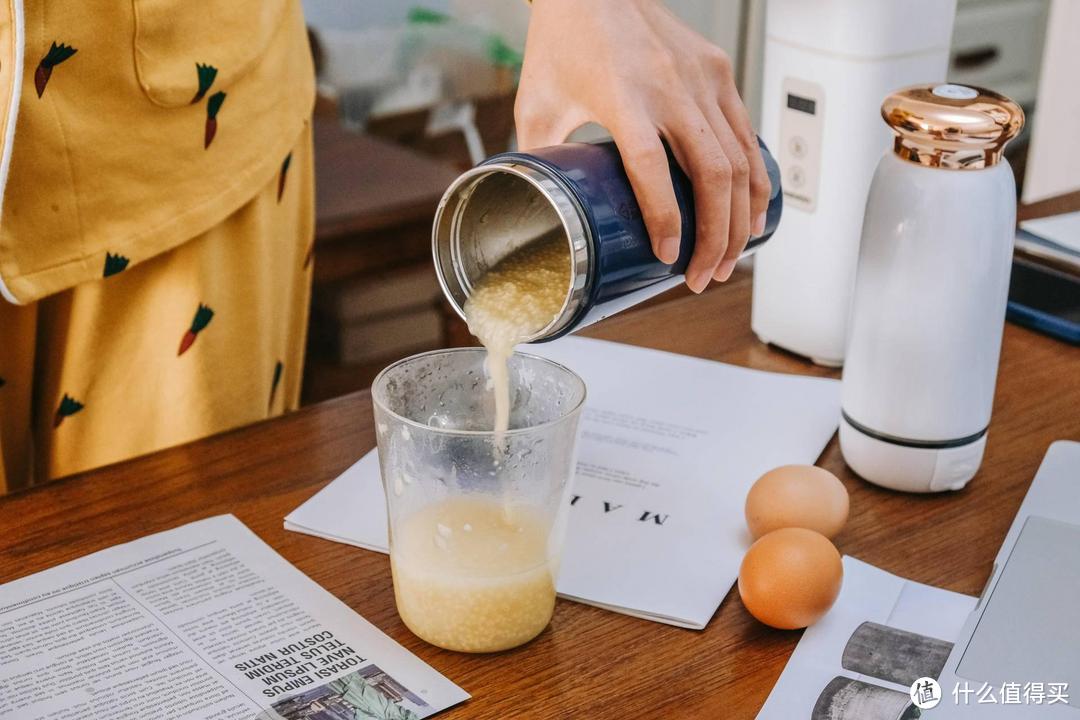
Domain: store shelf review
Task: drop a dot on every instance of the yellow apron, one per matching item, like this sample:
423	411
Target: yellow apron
156	225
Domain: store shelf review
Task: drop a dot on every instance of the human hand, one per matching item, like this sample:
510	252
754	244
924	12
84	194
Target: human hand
633	67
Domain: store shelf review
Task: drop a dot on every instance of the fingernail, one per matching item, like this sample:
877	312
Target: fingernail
697	281
726	268
669	250
759	225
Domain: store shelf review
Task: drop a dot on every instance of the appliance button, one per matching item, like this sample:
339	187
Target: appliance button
797	146
796	176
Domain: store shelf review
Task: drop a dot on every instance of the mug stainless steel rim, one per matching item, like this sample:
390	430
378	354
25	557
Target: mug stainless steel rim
575	410
446	236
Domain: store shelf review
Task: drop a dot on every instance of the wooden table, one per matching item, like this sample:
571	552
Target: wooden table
589	663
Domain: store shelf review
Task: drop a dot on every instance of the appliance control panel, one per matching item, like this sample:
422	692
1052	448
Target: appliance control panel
799	154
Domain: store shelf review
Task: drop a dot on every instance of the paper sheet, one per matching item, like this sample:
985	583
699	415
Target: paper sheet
204	622
1061	229
669	446
859	661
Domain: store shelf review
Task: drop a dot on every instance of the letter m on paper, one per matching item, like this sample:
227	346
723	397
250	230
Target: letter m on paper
656	517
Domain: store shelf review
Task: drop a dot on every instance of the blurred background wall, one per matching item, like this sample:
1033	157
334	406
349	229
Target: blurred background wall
350	15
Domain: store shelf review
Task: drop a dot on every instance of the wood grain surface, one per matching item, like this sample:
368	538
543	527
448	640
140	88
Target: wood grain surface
589	663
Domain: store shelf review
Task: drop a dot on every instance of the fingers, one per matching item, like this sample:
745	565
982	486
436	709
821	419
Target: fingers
739	226
646	165
700	153
739	121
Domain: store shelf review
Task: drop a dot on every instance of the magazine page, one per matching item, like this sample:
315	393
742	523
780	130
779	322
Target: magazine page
859	662
203	622
669	446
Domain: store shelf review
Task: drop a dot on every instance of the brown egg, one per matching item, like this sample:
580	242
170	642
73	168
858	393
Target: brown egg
790	578
797	496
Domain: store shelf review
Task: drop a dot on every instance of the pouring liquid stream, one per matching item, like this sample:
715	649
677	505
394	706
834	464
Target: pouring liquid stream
513	301
517	298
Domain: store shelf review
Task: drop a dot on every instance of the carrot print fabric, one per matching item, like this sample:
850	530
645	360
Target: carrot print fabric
195	341
157	257
139	126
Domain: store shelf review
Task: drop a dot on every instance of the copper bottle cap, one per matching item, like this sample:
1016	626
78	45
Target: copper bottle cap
951	126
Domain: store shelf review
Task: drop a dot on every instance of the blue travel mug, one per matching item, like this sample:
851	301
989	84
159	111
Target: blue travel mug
581	191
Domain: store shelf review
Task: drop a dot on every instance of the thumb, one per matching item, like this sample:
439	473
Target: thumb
542	127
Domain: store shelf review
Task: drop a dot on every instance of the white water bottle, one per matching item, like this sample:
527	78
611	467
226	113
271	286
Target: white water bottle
930	290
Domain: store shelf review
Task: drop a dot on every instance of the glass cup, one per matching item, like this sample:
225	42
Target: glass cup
477	518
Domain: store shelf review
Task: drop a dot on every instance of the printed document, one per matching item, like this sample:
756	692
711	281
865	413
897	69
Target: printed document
204	622
883	634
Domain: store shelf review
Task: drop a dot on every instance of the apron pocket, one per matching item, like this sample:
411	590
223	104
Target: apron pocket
185	50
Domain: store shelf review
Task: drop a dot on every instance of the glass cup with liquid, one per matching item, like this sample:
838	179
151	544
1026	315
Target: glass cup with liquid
477	517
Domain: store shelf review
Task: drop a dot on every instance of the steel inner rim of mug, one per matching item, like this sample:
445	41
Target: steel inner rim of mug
559	199
545	193
378	387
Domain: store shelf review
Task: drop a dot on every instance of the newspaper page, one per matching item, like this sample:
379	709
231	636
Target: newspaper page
203	622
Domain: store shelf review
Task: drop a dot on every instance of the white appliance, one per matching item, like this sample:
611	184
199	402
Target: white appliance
930	290
828	64
1054	153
